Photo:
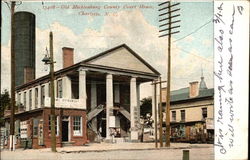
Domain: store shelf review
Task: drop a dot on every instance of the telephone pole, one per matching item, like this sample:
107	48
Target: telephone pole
170	31
155	122
13	77
161	116
53	133
50	60
160	112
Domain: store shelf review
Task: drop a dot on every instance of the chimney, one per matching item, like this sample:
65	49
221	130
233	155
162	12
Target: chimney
29	74
68	56
193	89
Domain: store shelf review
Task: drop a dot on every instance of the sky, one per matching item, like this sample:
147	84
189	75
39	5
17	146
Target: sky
112	24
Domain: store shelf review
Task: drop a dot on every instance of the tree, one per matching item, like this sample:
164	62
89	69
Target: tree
146	106
4	103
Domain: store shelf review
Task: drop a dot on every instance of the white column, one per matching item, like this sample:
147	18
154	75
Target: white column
133	109
82	88
55	88
66	84
21	99
46	90
93	104
39	97
109	101
33	99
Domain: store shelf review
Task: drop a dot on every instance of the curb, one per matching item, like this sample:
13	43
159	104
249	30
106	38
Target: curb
139	149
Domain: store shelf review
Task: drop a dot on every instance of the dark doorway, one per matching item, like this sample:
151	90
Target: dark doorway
103	125
65	131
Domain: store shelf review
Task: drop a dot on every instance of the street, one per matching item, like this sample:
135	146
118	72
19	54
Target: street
108	151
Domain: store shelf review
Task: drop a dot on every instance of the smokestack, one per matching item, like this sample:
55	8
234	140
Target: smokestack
68	56
193	89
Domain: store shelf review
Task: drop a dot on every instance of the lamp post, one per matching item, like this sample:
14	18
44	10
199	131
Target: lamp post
50	60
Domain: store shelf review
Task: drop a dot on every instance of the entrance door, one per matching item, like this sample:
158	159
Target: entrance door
65	131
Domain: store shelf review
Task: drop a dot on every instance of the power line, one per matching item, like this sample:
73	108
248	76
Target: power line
194	55
193	31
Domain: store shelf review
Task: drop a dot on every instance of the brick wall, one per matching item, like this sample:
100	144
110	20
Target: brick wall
44	115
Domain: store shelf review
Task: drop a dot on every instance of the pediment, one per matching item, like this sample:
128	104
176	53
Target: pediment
123	58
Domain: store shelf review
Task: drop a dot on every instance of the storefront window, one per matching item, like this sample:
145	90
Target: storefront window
77	125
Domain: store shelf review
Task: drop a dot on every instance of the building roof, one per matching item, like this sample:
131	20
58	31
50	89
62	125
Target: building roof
183	94
88	63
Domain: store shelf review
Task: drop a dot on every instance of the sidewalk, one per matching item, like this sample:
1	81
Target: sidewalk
104	147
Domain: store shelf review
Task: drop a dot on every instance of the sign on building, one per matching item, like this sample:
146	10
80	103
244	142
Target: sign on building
64	103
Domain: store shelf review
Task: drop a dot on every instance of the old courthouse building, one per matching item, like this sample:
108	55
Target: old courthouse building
100	93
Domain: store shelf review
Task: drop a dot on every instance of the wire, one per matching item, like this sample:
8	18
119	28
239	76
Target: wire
194	55
196	30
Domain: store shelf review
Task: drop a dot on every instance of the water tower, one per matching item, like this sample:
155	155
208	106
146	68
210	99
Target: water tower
24	48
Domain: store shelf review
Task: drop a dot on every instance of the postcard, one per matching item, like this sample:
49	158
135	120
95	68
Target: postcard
124	80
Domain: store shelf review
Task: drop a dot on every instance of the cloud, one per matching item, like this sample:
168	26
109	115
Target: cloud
207	42
128	27
5	67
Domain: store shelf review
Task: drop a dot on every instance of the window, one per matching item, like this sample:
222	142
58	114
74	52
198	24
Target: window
42	95
36	97
35	127
77	125
24	99
23	129
56	124
30	100
204	113
183	116
59	89
173	115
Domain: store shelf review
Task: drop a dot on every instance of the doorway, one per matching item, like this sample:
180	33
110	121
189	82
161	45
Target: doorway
65	131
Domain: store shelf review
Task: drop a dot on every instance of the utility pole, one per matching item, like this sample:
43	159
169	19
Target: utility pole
155	122
161	116
1	51
169	33
50	60
160	109
13	77
53	133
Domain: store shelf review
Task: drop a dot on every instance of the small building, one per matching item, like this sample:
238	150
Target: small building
192	113
97	98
